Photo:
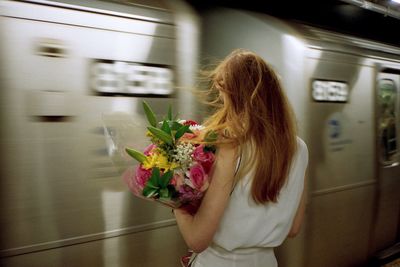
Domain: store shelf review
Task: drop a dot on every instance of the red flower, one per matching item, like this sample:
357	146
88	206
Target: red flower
190	122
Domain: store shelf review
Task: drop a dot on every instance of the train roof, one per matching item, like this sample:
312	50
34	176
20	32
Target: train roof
328	40
149	10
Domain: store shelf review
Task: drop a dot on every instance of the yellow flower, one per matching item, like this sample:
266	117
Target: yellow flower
173	165
160	161
149	134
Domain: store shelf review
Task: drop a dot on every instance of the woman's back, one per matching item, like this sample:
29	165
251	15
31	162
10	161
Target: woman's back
248	232
253	118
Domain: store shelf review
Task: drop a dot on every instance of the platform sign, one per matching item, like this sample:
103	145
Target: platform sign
330	91
130	78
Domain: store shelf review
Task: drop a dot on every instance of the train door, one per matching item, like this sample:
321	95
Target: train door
341	170
386	232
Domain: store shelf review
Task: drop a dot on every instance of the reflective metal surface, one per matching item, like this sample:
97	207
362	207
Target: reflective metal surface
342	176
72	66
63	202
348	216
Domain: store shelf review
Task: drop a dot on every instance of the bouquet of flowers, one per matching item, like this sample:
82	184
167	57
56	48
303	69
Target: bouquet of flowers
175	168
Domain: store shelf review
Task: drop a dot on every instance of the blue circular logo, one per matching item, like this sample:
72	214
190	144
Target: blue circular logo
334	128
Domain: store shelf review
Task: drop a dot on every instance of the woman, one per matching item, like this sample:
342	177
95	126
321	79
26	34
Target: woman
255	198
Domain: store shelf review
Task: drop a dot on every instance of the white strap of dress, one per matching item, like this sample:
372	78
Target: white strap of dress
239	160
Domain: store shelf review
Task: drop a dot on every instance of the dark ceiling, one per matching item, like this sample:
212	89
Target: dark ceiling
329	14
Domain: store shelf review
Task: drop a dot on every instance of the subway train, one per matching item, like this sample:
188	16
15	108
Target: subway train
73	75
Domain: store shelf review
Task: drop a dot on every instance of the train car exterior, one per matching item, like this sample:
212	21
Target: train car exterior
74	70
345	94
69	68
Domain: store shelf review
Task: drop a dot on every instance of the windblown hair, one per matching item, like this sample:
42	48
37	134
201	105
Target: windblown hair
253	112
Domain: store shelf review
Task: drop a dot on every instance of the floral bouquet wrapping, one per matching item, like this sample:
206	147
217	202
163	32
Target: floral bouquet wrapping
175	168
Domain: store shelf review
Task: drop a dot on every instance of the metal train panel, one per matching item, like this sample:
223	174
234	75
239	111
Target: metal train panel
66	73
68	69
330	80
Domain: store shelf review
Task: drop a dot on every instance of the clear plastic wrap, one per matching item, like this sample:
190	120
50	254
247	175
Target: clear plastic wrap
173	158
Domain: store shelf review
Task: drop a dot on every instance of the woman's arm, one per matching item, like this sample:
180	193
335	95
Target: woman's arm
300	213
198	230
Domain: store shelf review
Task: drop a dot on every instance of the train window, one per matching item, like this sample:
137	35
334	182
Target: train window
128	78
387	106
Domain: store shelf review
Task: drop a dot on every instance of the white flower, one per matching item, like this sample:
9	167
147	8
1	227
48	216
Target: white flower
183	154
196	127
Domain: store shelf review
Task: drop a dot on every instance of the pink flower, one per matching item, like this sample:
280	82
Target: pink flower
188	194
205	158
142	176
188	136
129	177
198	177
177	180
149	149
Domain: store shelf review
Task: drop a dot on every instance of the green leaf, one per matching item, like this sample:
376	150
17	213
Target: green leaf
151	117
165	178
152	187
149	192
211	136
170	113
181	131
136	154
152	184
176	125
165	127
160	134
154	178
164	193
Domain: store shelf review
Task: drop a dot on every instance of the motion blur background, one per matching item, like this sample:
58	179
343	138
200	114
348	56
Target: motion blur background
73	75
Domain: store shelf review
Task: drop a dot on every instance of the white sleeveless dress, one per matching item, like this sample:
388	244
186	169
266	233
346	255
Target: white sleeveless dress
248	232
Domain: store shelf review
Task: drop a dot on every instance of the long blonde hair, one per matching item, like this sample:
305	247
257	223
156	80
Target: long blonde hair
252	108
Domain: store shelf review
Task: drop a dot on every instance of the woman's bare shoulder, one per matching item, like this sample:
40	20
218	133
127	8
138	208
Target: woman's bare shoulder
227	152
225	162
